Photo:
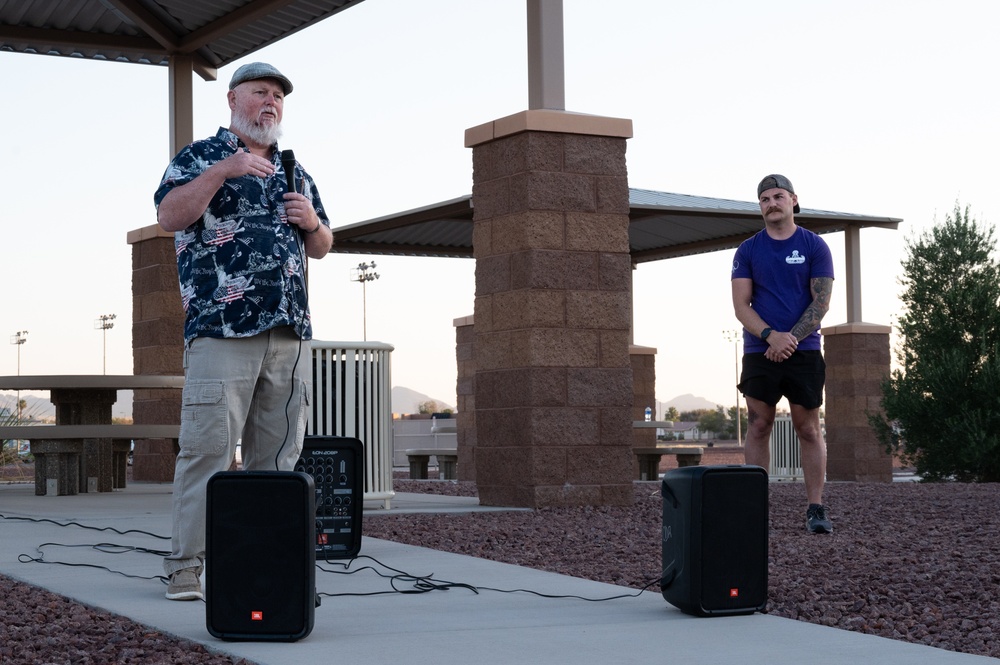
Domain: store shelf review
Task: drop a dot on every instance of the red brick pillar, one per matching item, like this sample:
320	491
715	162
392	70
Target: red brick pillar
465	337
553	382
157	346
857	359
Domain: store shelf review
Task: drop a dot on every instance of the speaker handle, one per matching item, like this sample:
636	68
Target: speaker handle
668	494
667	581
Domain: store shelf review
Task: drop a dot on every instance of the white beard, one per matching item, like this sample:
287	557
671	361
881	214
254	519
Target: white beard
257	133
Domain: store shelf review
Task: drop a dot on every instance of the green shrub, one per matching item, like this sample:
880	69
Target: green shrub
941	404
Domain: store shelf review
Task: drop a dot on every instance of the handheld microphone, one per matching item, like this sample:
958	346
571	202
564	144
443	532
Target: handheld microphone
288	163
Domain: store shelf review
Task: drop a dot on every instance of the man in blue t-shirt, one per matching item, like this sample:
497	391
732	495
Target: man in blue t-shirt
782	279
242	238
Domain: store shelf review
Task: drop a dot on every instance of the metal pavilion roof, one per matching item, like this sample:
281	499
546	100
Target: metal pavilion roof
148	32
661	225
214	33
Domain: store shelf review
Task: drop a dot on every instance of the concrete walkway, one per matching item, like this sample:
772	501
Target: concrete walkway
453	626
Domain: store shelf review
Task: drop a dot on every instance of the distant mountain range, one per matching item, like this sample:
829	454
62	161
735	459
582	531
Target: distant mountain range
687	402
406	400
39	408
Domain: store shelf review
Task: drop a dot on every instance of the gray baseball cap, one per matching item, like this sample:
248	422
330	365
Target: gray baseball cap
259	70
776	181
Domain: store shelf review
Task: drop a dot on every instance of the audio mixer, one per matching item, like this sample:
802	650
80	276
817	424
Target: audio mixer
336	465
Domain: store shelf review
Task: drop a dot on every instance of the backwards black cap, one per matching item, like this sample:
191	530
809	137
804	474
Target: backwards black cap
776	181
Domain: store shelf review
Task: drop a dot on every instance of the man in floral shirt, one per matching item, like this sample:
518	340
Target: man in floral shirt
242	239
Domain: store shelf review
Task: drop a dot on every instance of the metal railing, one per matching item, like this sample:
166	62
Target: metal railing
786	458
351	396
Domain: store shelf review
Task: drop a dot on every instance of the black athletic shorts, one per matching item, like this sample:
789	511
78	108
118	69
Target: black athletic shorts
800	378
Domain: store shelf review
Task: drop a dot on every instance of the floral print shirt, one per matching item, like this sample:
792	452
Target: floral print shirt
242	265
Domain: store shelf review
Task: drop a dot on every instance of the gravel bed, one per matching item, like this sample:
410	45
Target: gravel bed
907	561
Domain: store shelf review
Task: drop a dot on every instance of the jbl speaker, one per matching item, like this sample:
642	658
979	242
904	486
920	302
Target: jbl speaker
715	539
337	467
260	558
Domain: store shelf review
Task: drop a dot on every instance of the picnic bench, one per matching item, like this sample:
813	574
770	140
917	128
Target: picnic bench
70	459
649	458
419	458
84	451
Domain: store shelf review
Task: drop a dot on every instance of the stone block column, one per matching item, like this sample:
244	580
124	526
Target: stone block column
857	359
157	346
553	381
465	419
643	360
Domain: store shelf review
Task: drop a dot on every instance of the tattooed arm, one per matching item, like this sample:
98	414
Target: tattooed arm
821	288
781	345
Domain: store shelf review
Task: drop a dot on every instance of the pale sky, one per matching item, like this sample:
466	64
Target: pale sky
879	107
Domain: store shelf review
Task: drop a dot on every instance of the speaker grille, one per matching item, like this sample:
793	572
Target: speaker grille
734	541
260	558
715	539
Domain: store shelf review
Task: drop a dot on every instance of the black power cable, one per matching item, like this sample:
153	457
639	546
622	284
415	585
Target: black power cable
398	579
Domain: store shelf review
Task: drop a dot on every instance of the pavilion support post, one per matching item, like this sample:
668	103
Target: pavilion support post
181	100
553	392
852	272
857	358
546	69
157	346
157	315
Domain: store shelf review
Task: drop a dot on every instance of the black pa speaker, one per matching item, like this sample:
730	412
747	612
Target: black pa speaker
715	539
260	560
337	467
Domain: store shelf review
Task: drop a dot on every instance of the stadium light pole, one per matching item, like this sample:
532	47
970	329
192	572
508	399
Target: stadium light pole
734	337
105	322
19	338
364	273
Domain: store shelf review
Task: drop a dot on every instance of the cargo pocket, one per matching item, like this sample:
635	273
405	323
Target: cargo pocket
204	418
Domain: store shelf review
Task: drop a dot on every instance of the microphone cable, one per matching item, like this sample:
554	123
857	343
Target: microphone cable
288	165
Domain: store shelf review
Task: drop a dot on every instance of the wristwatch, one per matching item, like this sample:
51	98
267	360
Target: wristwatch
764	333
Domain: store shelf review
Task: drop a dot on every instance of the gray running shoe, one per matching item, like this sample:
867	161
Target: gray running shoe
817	520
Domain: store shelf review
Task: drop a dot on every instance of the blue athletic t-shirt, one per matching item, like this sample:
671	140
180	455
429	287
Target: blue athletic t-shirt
781	271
